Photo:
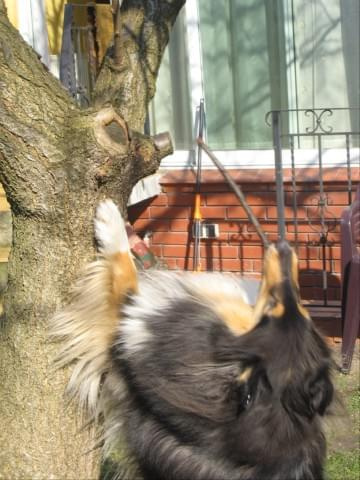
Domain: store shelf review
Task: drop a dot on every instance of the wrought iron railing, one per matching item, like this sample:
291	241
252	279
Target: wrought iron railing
295	131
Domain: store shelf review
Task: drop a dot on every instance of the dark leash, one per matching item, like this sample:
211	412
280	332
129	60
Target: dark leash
236	189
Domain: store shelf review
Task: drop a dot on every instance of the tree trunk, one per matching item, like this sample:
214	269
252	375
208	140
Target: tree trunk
56	163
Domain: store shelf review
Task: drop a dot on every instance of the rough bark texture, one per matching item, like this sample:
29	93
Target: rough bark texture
56	163
130	85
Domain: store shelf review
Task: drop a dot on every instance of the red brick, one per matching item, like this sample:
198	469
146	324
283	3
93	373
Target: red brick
312	198
170	238
251	251
211	264
271	212
336	266
230	265
213	212
160	225
299	238
231	226
261	198
223	237
246	265
309	252
272	237
334	253
184	263
332	212
169	212
175	250
214	187
157	250
183	199
182	251
266	227
171	188
332	237
224	198
256	187
229	198
239	212
179	225
257	266
313	228
331	265
217	250
310	265
160	200
241	238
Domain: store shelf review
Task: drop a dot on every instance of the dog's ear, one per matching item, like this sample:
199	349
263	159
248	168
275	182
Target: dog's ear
321	392
230	348
309	398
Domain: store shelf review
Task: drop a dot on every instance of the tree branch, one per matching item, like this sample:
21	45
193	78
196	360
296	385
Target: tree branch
59	144
117	31
33	109
142	41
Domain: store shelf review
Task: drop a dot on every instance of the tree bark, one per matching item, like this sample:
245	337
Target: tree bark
56	163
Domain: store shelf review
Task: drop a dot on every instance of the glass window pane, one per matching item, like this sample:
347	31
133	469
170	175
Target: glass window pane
242	70
170	108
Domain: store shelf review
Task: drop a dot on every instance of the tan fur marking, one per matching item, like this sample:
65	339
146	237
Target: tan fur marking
245	375
124	276
238	315
303	311
272	267
277	311
295	268
272	276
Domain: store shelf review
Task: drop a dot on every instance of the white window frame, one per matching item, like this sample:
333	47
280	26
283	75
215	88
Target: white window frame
32	26
249	159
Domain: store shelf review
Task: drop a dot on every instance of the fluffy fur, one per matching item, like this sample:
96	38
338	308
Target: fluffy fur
203	385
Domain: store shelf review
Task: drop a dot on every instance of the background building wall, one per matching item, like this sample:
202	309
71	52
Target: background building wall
167	220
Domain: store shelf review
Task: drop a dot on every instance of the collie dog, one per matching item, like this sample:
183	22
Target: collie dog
199	384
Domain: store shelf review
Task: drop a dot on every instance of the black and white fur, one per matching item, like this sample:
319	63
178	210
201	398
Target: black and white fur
201	386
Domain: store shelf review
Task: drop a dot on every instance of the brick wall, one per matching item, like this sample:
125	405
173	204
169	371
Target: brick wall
168	217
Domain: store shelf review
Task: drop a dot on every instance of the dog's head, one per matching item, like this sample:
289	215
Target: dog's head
285	386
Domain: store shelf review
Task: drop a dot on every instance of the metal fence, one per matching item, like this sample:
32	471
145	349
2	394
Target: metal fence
318	134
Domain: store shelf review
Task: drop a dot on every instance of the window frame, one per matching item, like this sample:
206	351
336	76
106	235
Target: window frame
245	158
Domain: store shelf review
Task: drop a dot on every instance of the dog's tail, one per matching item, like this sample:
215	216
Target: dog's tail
87	326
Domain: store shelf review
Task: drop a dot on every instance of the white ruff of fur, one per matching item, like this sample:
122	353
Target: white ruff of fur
110	229
87	326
